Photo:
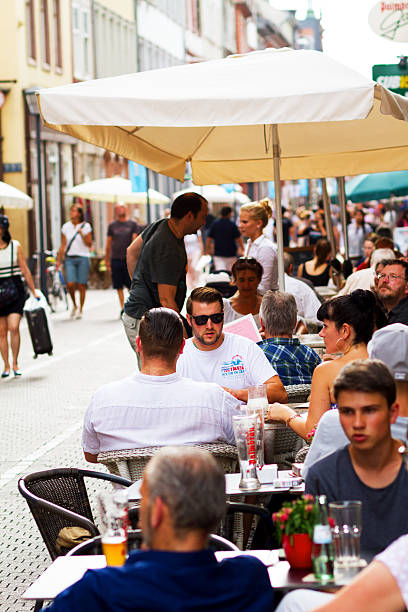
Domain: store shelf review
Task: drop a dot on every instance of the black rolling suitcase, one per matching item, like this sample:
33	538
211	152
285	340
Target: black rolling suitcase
39	332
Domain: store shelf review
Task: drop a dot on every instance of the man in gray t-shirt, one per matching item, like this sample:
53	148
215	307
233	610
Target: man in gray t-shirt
157	262
121	233
370	468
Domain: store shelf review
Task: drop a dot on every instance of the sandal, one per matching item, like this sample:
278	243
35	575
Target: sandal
5	374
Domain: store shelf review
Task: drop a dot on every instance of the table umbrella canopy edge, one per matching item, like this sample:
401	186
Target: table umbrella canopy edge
11	197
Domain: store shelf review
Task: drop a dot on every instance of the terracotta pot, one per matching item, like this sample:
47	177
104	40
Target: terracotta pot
300	554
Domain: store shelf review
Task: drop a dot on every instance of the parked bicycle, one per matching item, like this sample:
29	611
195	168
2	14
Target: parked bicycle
57	289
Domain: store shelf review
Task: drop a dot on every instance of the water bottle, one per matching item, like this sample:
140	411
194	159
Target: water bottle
322	549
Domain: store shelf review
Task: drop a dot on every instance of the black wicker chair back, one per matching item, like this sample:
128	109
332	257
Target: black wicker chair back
58	498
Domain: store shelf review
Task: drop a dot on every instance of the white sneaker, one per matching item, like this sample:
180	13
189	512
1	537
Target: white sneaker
79	314
73	312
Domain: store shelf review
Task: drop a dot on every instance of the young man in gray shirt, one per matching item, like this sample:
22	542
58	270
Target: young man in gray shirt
370	468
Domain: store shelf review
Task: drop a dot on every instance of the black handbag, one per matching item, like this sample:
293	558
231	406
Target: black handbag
8	288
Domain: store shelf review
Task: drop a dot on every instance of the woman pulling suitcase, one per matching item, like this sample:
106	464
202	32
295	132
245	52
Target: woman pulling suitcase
12	295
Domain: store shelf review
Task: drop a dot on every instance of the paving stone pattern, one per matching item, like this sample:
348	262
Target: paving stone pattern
41	426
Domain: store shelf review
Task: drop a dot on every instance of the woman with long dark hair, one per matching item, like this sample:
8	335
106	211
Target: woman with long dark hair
76	241
318	270
349	321
12	266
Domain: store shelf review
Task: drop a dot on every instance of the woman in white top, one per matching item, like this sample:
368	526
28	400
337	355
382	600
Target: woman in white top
253	218
12	265
246	275
76	241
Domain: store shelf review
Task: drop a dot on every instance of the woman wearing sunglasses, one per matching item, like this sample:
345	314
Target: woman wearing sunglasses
246	275
253	218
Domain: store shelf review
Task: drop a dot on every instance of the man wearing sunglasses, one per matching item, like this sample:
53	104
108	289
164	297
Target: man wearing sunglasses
392	289
232	361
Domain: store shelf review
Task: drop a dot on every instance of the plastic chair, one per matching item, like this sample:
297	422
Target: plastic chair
130	463
94	546
58	498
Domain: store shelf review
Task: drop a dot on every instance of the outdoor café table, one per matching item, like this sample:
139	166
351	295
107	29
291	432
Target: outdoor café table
314	341
326	292
231	486
65	571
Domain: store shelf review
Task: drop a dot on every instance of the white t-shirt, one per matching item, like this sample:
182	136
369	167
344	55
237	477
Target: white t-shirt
78	246
238	363
147	410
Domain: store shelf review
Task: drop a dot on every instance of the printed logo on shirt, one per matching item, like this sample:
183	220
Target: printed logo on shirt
235	367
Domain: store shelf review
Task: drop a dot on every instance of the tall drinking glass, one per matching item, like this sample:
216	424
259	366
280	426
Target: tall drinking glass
114	520
258	404
346	539
245	430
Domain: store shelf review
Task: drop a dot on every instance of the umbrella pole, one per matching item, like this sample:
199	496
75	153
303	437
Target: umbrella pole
278	205
327	214
341	190
148	215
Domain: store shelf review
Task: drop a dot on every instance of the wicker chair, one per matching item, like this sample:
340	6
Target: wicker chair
58	498
281	444
94	546
298	393
130	463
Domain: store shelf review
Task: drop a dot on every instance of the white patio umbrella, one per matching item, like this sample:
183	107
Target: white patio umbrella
115	189
214	194
273	114
10	197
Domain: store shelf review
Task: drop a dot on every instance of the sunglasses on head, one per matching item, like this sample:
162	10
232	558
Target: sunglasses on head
217	317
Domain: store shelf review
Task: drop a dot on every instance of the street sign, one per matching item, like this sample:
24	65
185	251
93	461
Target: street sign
389	20
393	77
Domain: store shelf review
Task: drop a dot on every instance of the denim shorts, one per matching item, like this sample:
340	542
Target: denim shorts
77	269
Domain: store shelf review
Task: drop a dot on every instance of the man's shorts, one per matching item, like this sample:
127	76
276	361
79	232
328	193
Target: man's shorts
77	269
120	274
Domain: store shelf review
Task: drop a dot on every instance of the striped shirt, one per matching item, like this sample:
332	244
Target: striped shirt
5	260
294	362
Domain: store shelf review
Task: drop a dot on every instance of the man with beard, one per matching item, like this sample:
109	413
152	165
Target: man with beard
392	289
232	361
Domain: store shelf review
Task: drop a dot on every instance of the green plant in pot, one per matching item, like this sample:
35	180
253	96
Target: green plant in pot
294	527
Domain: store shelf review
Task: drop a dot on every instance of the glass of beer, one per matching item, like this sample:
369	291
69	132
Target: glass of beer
114	521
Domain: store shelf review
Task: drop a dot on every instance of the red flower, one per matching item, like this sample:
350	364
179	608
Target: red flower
308	497
331	522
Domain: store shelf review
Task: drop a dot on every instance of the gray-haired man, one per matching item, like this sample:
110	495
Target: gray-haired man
294	362
183	501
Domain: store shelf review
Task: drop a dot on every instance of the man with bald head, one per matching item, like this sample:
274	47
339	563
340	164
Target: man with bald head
121	233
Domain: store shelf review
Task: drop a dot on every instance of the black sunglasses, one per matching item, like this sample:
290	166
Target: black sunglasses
218	317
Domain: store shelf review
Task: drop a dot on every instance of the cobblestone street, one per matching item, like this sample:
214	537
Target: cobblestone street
42	421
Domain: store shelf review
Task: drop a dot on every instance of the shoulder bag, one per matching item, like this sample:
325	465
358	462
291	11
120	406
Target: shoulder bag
72	240
8	288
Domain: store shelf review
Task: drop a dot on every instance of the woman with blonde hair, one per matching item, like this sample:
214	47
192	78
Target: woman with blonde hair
253	218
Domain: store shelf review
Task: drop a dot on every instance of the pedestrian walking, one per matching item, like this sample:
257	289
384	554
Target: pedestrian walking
253	218
76	242
121	234
12	296
224	241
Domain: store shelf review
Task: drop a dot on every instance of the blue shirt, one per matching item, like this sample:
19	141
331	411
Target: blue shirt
294	362
158	581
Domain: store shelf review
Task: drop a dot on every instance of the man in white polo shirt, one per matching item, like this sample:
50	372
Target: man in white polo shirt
230	360
157	406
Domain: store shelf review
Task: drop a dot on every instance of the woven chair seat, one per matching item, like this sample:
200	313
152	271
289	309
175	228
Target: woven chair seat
130	463
298	393
281	444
